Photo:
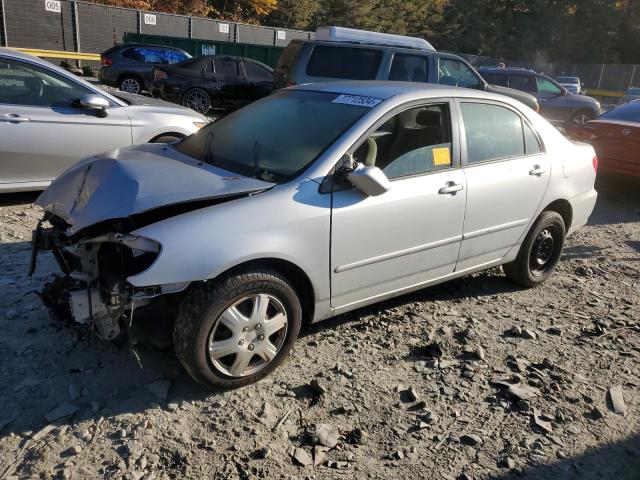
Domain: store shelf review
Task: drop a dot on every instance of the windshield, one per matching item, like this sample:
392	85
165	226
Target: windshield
276	138
628	112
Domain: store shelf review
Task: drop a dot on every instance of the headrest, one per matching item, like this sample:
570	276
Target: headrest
429	118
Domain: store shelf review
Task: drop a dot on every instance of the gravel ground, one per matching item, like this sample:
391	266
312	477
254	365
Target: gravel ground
475	378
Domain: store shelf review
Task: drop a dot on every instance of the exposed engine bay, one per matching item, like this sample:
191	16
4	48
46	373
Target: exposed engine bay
94	289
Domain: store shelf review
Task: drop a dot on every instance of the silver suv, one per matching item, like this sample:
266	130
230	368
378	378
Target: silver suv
311	202
347	54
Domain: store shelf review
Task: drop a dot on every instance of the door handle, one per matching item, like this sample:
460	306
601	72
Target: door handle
13	118
537	171
451	188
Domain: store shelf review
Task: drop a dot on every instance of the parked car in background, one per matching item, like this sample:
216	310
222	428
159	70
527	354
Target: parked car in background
129	67
349	54
632	94
215	81
311	202
572	84
50	119
557	104
615	135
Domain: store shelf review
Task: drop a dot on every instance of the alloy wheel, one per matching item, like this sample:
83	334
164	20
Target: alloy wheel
248	335
130	85
580	119
198	101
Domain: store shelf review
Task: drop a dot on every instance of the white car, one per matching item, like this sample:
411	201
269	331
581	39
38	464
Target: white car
50	119
311	202
572	84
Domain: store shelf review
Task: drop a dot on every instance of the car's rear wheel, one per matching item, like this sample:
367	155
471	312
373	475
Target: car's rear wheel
130	85
540	252
197	99
237	330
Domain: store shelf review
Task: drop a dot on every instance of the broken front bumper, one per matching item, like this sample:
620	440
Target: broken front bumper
94	289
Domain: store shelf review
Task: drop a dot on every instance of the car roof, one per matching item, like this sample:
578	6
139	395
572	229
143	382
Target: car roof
507	70
151	45
386	89
345	44
10	52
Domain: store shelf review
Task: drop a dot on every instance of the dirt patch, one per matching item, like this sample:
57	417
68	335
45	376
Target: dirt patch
475	378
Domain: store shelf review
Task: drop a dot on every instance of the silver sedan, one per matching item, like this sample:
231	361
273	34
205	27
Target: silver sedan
314	201
50	119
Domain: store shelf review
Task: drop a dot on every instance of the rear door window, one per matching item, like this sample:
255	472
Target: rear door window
256	73
226	68
524	83
492	132
409	68
344	62
174	56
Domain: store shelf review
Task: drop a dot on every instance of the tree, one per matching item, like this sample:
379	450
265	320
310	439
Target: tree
295	14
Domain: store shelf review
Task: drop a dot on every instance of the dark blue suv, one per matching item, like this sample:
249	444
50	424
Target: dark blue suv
130	66
557	104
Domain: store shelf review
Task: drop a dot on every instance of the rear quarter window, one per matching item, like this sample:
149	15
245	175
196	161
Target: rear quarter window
344	62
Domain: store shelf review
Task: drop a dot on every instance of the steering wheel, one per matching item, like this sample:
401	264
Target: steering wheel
35	87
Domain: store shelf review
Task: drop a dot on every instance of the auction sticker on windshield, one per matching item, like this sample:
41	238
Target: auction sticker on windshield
357	100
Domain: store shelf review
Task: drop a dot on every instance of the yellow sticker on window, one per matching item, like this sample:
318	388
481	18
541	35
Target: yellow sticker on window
441	156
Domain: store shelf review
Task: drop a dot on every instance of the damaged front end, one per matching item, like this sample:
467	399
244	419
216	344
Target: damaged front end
94	290
92	210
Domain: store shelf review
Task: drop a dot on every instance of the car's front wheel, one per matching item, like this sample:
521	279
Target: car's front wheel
237	330
540	252
197	99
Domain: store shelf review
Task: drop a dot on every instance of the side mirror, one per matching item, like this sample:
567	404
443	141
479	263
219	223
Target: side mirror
95	102
369	180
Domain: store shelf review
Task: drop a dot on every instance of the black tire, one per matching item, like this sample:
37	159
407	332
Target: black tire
201	311
540	252
197	99
165	138
580	118
130	84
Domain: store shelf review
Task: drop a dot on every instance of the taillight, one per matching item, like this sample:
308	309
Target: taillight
291	84
106	62
595	164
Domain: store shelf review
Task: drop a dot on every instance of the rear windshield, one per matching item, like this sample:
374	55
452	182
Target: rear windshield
344	62
629	112
276	138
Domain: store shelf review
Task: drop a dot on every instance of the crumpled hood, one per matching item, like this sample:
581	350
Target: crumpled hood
133	180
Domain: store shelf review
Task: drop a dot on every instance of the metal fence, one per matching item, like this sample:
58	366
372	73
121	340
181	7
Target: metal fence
79	26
